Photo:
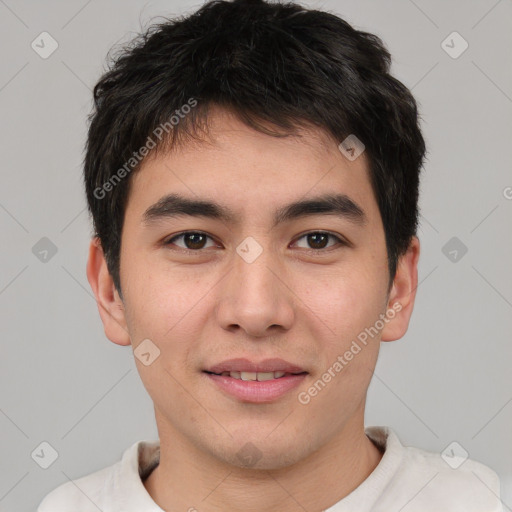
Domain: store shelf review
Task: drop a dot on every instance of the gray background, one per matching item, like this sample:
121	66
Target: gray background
63	382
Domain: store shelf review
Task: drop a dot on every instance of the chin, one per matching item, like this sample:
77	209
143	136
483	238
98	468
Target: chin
260	453
268	462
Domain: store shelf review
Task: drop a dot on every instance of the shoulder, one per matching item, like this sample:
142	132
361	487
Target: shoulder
86	494
447	482
416	480
96	491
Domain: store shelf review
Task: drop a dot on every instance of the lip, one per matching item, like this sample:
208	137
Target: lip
256	391
245	365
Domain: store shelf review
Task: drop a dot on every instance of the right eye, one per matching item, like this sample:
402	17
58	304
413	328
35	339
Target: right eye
192	240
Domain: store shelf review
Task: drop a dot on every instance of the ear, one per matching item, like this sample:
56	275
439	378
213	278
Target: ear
110	305
403	293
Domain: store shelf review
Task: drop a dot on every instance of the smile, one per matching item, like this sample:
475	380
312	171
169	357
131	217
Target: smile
254	376
255	387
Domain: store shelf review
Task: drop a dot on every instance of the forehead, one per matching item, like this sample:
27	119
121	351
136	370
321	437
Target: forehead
252	172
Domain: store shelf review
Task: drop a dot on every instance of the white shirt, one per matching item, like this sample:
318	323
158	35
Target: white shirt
407	479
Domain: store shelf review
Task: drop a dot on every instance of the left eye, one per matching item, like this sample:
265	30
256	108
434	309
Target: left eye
195	240
317	239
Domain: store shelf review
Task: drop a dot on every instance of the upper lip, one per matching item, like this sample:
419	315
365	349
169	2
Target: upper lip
245	365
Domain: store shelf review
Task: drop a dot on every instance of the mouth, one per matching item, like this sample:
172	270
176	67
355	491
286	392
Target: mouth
256	376
261	382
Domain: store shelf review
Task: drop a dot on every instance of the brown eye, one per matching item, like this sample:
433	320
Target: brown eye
318	240
192	240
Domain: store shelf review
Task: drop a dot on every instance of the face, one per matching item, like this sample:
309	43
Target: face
289	292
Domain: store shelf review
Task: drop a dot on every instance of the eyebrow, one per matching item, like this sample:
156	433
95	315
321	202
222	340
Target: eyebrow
174	205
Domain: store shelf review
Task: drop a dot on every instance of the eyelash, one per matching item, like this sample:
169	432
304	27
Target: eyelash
340	241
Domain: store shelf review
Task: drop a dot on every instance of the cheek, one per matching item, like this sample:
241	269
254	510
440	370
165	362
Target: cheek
162	306
345	301
161	309
346	310
350	306
159	295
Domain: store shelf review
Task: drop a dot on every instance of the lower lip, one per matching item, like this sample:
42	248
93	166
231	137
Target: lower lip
256	391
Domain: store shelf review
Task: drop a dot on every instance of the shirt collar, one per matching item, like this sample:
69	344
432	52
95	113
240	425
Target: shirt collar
144	456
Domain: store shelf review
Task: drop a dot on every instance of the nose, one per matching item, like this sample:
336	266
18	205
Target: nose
254	296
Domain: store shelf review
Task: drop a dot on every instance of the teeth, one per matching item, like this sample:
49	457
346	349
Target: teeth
265	376
259	376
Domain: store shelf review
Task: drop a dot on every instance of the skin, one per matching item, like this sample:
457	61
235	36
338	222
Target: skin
291	302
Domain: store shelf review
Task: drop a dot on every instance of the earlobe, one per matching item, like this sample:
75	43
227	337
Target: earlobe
110	306
403	293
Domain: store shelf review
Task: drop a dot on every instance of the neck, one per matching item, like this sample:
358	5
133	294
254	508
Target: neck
190	479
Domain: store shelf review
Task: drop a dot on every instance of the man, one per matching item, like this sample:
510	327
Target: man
252	171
